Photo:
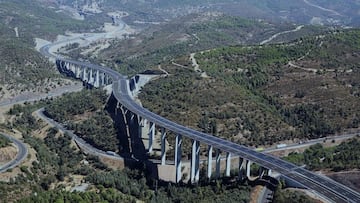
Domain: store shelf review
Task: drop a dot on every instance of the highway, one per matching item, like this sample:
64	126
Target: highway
312	142
21	155
327	188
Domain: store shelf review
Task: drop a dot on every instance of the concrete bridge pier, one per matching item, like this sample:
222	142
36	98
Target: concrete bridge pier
102	79
78	72
195	162
91	77
151	136
85	76
228	164
141	126
262	171
163	146
178	154
132	118
209	162
97	79
218	163
241	169
72	68
248	168
135	84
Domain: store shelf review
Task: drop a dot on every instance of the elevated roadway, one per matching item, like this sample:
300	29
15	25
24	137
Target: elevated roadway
327	188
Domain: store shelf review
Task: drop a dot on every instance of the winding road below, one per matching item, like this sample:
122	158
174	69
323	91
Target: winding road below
87	148
325	187
21	155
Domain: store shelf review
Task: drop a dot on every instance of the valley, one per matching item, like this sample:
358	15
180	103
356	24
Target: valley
263	76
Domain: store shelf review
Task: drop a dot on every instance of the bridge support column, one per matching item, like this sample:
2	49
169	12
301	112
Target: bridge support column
209	162
132	117
248	166
241	169
97	79
102	79
178	154
269	172
141	126
261	171
135	85
163	146
218	163
151	136
228	164
195	162
91	77
66	66
72	69
78	72
84	75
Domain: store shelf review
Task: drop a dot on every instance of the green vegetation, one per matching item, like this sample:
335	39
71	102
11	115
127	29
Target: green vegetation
99	131
104	195
84	113
4	141
176	38
66	107
58	160
288	196
134	182
345	156
24	121
252	96
22	67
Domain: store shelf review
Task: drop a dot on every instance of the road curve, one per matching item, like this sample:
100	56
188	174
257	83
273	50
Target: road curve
329	189
87	148
21	155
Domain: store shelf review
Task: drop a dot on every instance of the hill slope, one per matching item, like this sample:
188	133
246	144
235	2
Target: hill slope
265	94
22	67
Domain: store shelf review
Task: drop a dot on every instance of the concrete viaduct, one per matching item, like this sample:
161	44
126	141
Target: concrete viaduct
122	90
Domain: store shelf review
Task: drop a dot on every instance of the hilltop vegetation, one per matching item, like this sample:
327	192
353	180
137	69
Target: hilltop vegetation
192	33
261	95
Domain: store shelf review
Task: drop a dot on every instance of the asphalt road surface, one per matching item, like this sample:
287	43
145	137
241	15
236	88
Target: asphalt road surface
21	155
327	188
87	148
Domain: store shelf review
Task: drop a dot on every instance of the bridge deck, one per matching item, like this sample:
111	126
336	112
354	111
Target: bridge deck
324	186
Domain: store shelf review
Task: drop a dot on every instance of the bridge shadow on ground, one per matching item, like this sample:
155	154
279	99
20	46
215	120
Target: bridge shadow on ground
131	147
266	181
